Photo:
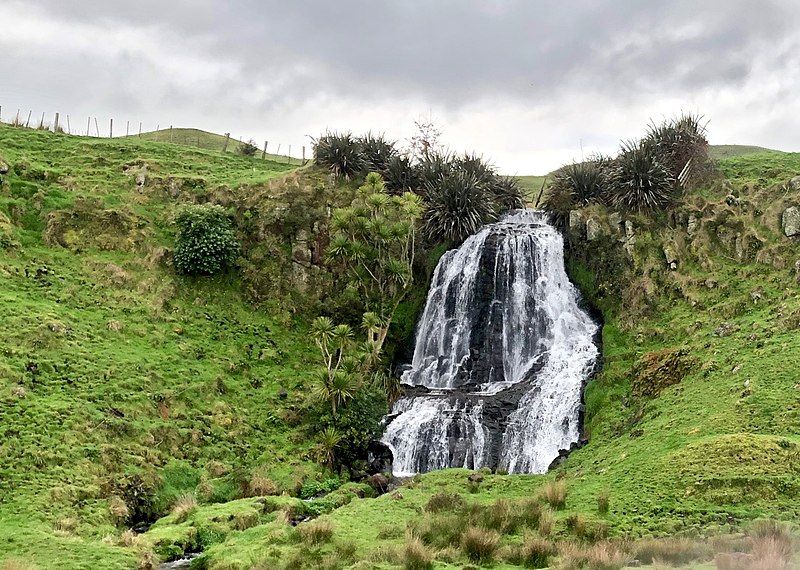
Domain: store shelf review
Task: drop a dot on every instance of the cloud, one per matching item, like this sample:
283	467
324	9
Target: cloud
527	82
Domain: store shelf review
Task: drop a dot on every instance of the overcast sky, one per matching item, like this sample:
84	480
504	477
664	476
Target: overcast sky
530	84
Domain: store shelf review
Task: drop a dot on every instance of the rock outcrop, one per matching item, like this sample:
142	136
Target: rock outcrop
791	221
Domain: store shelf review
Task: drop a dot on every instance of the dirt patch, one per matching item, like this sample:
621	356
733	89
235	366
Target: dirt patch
658	370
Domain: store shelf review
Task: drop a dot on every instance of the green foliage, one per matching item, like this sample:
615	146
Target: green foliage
462	194
373	247
680	143
378	152
247	148
587	181
340	153
456	208
400	175
206	243
640	181
311	489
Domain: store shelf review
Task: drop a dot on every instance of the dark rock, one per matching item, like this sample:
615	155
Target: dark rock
283	394
475	478
379	458
379	482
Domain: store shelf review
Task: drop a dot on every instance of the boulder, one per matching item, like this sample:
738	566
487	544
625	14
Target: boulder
794	183
671	257
575	219
630	238
593	229
691	225
791	221
4	167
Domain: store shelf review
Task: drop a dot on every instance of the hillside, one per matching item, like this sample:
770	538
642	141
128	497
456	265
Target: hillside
133	395
533	183
212	141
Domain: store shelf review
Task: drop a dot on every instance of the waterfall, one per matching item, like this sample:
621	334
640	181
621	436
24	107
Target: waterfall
501	355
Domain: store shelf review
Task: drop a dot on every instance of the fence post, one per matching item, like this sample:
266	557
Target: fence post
264	152
225	146
41	123
111	129
69	127
278	152
55	125
304	155
170	133
28	122
88	126
140	129
97	127
289	155
127	127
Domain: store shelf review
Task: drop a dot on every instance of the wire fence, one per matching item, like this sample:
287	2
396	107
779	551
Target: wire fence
95	128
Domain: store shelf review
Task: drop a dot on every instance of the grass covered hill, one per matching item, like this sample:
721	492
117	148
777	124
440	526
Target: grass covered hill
215	142
133	395
123	384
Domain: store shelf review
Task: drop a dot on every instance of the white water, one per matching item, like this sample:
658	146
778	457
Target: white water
500	312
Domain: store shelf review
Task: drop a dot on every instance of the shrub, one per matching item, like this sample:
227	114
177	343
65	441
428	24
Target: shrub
444	501
682	147
639	181
316	532
377	152
206	243
536	552
555	494
585	181
480	545
340	153
507	193
499	516
400	175
248	148
456	207
416	555
184	506
603	499
558	203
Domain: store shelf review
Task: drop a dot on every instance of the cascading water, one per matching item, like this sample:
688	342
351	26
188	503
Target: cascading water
501	356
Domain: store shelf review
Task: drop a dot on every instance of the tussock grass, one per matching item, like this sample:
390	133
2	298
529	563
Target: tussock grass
416	556
316	532
445	501
479	545
675	551
554	493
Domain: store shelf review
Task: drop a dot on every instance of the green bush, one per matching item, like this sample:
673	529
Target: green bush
640	181
206	243
340	153
248	148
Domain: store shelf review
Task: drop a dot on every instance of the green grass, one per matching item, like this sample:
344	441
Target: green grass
216	142
722	151
112	365
112	368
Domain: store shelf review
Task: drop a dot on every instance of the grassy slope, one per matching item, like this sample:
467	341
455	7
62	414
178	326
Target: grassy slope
194	372
211	141
111	365
718	449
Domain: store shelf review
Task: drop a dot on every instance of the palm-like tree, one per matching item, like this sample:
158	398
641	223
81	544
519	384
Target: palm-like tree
329	438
